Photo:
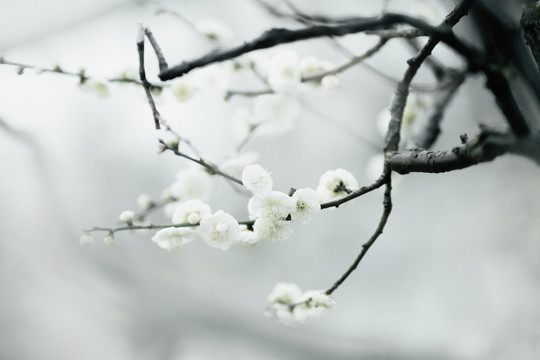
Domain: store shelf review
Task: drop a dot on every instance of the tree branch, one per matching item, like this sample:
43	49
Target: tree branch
530	23
402	90
387	203
275	37
485	147
431	128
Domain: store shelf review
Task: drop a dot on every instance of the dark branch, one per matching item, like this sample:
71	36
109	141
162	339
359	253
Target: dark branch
275	37
146	84
485	147
431	128
387	203
402	90
530	23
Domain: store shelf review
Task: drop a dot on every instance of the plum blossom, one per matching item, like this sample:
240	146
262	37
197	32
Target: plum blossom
290	306
127	217
310	66
172	238
242	123
86	240
145	202
215	30
272	230
257	180
247	237
275	113
335	184
182	89
285	292
220	230
283	73
192	183
109	240
191	212
307	205
236	163
274	205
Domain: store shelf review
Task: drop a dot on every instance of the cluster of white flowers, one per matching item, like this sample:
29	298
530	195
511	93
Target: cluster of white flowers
272	210
335	184
219	230
290	305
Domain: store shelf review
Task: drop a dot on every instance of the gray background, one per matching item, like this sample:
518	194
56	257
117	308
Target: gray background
454	276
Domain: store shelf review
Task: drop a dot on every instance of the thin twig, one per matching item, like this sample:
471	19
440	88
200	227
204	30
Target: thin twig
212	169
387	204
146	84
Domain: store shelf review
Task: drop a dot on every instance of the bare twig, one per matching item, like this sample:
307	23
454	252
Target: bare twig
80	75
146	84
212	169
387	204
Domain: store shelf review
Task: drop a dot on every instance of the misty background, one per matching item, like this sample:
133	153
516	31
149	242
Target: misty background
454	276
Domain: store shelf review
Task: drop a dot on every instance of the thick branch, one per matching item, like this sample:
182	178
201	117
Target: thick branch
530	23
488	145
275	37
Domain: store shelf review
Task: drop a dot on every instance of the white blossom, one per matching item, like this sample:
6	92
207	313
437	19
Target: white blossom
257	180
283	73
109	240
290	306
86	239
145	202
335	184
192	183
282	313
247	237
213	77
220	230
272	230
182	89
97	87
171	140
307	205
274	205
168	209
413	108
127	217
330	82
242	123
310	66
215	30
172	238
275	113
285	292
190	211
235	164
318	298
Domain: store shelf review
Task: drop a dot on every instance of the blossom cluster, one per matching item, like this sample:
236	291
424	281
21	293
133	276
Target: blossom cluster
272	210
290	305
